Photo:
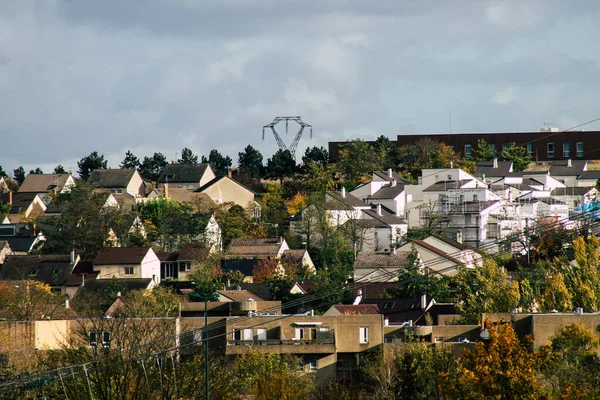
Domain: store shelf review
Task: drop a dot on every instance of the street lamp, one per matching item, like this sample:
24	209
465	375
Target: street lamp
206	299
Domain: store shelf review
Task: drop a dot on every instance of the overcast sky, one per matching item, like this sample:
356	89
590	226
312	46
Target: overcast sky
159	75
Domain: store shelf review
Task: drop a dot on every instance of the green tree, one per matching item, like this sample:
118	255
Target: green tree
152	167
319	178
357	160
37	171
250	162
281	165
3	173
483	152
59	169
485	289
517	154
556	295
387	152
316	155
130	161
187	157
89	163
19	175
30	300
219	164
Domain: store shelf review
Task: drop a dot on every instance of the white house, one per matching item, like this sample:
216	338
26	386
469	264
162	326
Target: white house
127	262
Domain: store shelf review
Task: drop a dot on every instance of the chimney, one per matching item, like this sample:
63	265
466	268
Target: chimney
239	288
483	177
569	163
423	301
118	294
166	190
10	197
229	174
72	257
389	172
495	163
393	183
343	192
67	303
379	209
451	163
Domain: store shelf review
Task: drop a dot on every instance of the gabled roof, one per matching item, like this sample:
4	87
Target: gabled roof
387	192
595	174
53	270
360	309
239	295
186	196
487	168
121	255
306	285
39	183
221	179
111	178
560	168
294	256
349	201
387	217
572	191
183	173
445	185
193	251
262	247
451	242
21	201
435	250
371	259
384	175
244	265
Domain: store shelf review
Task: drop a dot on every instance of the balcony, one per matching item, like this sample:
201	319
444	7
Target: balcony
323	345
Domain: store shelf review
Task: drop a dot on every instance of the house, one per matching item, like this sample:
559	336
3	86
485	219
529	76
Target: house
103	296
300	259
567	171
226	190
493	170
119	181
466	255
178	265
435	260
20	238
244	254
303	287
186	176
385	188
379	267
575	196
127	263
24	205
51	269
239	295
82	274
202	201
44	183
5	250
588	178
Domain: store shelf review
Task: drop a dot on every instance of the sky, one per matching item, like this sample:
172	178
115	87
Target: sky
78	76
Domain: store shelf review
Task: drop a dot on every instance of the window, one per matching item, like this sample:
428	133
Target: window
305	333
237	334
129	270
364	335
579	149
186	266
105	338
388	339
449	177
530	150
93	339
247	334
32	272
467	151
475	197
505	146
198	336
119	191
313	364
388	306
566	149
261	333
550	147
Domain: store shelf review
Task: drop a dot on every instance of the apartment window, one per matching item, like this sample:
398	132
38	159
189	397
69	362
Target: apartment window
313	364
93	339
449	177
388	339
364	335
129	270
530	150
237	334
119	191
186	266
550	148
105	338
579	149
475	197
505	146
305	333
468	151
566	149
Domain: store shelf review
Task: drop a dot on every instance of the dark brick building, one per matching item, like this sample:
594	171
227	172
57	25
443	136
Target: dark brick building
541	146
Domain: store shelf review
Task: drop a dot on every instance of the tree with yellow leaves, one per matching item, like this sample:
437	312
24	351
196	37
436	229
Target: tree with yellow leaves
505	368
29	300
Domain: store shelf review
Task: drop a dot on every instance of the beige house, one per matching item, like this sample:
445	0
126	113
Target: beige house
24	205
226	190
119	181
44	183
127	262
5	250
186	176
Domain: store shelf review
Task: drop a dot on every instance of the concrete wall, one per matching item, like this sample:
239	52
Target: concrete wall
51	335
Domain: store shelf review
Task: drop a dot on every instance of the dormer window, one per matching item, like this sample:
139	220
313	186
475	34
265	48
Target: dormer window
55	271
32	272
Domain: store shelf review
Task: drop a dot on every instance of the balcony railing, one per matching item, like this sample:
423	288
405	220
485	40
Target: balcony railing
260	342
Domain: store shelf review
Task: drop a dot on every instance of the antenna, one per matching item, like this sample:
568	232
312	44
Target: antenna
280	143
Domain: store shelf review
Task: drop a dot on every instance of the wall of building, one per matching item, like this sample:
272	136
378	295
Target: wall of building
226	190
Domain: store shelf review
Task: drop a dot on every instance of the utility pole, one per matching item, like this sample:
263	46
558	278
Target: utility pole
206	299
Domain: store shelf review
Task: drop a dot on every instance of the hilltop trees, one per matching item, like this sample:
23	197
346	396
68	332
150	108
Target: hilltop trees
152	167
281	165
250	162
89	163
59	169
19	175
130	161
187	157
219	164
